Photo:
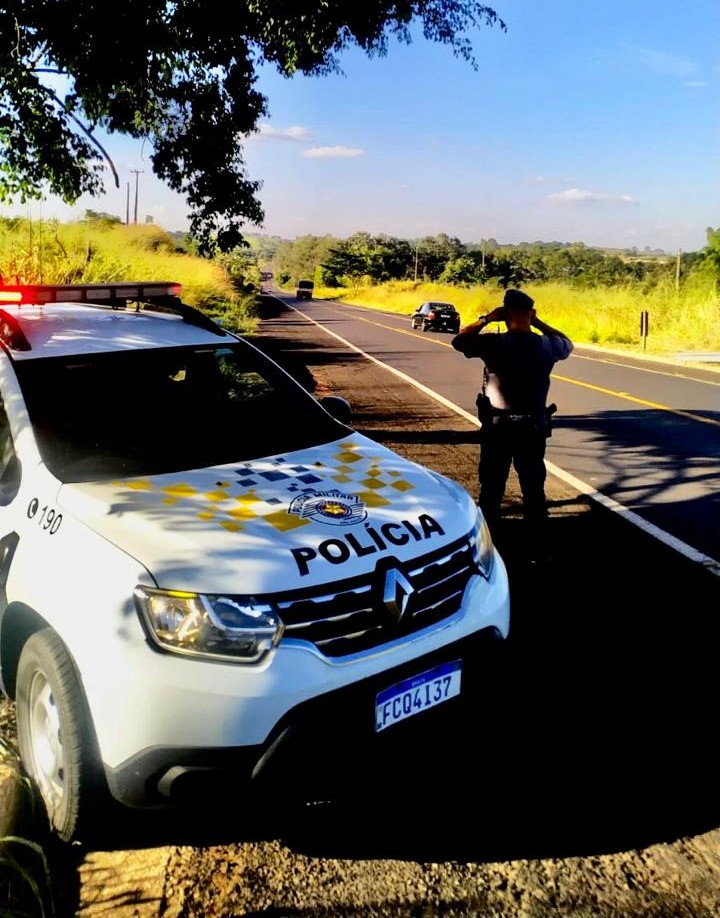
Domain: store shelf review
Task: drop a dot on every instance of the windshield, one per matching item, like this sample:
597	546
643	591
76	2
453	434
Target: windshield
146	412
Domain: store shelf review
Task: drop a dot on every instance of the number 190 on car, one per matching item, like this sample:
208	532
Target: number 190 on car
410	697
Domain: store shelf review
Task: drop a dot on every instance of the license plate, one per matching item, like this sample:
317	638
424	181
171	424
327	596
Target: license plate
410	697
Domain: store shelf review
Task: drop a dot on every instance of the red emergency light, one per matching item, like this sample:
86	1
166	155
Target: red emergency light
113	295
158	295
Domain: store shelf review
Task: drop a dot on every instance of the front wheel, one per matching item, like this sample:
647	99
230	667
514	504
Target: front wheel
55	734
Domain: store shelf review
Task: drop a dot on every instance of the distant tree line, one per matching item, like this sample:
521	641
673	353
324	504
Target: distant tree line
364	258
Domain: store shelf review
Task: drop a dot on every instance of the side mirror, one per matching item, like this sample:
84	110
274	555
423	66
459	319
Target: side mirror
338	407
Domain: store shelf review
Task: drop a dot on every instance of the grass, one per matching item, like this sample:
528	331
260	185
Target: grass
684	320
49	252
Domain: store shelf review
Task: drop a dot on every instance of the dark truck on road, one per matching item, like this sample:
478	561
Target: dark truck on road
304	290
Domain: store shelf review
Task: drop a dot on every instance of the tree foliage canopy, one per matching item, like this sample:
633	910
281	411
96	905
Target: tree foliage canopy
180	75
366	258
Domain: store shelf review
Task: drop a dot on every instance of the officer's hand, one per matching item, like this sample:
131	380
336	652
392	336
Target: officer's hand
497	315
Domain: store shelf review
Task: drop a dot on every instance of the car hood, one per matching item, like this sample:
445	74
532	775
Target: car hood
276	523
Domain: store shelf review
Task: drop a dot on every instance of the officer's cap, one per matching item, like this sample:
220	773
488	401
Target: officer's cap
516	299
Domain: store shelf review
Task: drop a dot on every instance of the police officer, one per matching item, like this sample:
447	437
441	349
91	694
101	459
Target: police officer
512	407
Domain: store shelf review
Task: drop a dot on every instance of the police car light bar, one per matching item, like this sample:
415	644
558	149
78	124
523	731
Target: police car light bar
100	294
162	296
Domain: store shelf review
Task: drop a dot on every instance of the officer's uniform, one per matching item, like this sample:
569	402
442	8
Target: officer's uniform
515	418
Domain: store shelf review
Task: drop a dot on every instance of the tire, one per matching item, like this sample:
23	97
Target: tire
415	325
55	735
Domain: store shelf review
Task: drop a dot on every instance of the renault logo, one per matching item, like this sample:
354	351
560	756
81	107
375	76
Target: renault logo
396	593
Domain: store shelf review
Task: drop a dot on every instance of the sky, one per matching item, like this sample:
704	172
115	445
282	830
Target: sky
585	121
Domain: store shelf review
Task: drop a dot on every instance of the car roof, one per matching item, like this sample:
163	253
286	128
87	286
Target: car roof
66	319
437	303
62	329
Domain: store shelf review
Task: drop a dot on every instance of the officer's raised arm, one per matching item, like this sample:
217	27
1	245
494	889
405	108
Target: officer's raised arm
562	345
470	331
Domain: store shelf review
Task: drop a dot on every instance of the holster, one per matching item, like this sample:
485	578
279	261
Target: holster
549	412
484	409
488	415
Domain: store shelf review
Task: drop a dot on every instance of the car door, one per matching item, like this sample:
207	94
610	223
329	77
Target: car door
9	486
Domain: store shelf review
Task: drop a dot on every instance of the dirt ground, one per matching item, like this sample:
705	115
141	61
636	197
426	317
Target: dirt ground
586	784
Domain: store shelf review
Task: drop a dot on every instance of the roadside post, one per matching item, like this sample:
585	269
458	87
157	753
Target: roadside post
644	326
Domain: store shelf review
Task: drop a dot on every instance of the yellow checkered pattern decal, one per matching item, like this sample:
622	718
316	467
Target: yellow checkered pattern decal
261	491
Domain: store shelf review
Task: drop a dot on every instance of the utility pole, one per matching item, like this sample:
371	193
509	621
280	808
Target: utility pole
136	172
677	270
127	204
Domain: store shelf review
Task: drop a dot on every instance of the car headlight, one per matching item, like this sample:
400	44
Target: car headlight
236	630
483	546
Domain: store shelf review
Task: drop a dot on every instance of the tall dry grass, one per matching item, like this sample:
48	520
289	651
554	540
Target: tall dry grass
49	252
684	319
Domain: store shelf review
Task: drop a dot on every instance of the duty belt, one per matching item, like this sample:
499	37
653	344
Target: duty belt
512	415
509	415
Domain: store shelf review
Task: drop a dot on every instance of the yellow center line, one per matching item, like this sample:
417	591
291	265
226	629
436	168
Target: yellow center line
639	401
401	331
575	382
674	374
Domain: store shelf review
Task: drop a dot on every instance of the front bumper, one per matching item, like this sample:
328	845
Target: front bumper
321	744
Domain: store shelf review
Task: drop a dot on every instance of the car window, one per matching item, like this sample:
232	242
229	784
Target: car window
151	411
9	466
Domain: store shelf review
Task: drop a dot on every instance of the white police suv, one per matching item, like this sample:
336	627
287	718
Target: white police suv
205	573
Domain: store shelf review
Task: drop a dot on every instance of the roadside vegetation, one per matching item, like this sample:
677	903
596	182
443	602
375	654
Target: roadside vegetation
101	249
688	320
595	295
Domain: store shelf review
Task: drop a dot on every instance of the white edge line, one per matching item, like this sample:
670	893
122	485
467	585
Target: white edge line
681	547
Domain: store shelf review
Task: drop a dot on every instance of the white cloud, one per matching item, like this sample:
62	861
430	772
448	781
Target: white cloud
580	195
338	152
663	61
546	179
694	83
295	133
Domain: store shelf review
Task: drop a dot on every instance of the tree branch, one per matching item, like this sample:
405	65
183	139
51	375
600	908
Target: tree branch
86	131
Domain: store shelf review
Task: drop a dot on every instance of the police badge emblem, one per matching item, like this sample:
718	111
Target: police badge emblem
332	507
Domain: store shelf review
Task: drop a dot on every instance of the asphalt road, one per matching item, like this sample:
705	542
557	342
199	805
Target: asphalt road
645	434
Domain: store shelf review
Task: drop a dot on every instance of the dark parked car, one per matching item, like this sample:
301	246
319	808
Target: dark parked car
437	317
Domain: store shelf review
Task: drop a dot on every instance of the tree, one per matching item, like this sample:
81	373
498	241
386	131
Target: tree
344	261
434	252
463	271
180	75
101	218
299	259
710	256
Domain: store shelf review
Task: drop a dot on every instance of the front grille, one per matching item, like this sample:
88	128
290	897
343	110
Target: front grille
358	617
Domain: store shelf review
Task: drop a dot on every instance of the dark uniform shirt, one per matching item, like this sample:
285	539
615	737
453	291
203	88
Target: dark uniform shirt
517	366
